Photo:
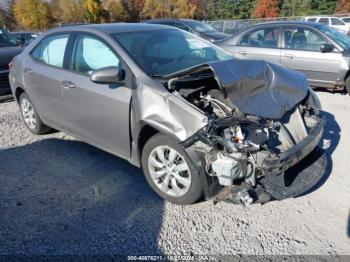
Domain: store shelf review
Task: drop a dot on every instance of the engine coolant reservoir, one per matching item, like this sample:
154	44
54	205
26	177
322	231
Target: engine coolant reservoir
227	169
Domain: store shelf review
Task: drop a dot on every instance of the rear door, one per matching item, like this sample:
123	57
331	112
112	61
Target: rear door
302	52
262	44
44	71
98	113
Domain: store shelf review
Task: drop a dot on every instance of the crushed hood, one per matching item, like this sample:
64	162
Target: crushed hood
256	87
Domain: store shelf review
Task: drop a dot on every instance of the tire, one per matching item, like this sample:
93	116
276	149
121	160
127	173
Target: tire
174	179
30	116
347	85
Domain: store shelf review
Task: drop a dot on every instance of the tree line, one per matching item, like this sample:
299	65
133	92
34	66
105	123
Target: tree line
44	14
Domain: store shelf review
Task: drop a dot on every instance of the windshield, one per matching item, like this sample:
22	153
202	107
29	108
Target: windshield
200	27
340	38
165	51
6	39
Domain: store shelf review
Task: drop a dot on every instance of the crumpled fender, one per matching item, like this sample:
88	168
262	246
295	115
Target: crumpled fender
154	106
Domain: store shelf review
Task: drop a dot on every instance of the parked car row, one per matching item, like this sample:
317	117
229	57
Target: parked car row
331	21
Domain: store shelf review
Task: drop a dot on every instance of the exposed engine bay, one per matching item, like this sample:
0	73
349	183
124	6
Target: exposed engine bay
243	149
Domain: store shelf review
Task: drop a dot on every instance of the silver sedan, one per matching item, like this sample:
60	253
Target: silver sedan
320	52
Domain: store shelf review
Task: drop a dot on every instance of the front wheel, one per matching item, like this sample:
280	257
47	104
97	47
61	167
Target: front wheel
169	171
347	85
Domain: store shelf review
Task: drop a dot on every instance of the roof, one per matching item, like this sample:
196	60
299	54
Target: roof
113	27
22	32
305	23
170	20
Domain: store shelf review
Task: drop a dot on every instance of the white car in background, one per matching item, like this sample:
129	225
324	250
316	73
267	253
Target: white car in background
331	21
346	20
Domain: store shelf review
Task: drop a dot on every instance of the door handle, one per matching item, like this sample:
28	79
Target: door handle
28	71
68	84
289	56
243	52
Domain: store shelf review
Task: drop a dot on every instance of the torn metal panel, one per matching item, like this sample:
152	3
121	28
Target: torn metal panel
155	106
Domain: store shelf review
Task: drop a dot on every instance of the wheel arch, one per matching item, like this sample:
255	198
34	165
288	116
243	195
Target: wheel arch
18	92
145	134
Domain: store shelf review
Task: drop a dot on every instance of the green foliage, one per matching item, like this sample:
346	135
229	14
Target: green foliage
233	9
294	7
317	7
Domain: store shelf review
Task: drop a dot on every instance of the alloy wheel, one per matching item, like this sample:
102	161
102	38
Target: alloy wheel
169	171
28	113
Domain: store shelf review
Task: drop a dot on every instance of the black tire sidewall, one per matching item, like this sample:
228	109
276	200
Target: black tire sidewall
347	85
40	128
195	191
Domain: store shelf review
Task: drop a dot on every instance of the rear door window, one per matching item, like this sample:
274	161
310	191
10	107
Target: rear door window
267	37
51	50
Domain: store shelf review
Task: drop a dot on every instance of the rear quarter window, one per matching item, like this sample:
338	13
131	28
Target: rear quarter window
51	50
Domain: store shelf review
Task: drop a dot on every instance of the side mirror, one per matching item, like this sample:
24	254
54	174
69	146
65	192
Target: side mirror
108	75
325	48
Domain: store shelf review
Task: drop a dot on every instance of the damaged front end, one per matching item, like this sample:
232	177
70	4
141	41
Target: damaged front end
261	141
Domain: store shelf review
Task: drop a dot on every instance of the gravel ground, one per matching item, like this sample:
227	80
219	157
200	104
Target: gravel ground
61	196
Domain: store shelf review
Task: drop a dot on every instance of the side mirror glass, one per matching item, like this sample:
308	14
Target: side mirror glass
108	75
324	48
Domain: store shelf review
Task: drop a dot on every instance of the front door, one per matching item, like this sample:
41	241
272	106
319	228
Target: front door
98	113
43	74
302	52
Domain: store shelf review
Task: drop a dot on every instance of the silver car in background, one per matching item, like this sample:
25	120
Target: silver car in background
320	52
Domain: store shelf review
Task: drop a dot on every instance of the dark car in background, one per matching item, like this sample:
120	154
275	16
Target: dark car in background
25	38
9	48
229	27
320	52
200	29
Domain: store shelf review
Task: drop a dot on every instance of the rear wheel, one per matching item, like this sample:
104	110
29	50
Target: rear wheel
169	171
30	117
